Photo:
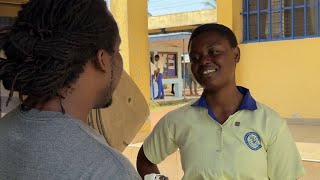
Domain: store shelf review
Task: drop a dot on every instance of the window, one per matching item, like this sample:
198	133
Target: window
266	20
170	64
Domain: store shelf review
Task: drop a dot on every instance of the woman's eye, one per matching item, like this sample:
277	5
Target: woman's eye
213	52
194	59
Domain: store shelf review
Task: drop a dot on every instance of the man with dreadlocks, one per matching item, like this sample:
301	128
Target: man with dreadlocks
63	55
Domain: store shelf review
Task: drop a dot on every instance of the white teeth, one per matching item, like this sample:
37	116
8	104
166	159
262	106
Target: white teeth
209	71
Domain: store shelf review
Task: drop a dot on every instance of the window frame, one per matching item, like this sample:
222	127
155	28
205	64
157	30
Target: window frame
246	12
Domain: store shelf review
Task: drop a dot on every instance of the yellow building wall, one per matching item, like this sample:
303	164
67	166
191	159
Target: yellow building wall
10	7
182	19
132	18
9	10
282	74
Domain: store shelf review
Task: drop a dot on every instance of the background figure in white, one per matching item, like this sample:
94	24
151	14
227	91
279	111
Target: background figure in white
153	73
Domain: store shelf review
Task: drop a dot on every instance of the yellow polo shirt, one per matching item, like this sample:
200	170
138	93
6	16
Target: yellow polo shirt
152	68
159	65
254	143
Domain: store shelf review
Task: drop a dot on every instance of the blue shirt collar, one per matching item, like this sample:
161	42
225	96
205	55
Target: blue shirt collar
248	103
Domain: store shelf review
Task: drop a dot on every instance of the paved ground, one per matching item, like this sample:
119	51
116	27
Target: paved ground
306	136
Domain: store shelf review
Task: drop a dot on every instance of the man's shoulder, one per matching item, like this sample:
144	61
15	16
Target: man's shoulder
79	149
115	166
110	162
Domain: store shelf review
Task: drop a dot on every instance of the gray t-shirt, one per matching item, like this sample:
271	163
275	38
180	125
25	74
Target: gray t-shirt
49	145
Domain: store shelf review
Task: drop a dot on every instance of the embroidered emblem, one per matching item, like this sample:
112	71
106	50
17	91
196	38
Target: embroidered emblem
253	141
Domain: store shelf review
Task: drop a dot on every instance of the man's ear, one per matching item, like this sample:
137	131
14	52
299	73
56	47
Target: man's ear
102	60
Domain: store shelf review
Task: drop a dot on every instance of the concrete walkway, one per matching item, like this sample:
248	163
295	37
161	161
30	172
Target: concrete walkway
307	138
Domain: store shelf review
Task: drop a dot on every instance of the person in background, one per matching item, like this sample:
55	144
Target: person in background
192	81
172	89
159	65
153	73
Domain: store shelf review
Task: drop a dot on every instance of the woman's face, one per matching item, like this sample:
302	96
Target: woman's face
213	60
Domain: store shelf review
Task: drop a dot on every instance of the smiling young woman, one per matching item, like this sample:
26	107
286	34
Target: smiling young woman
226	133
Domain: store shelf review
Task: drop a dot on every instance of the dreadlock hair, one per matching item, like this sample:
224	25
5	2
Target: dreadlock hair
218	28
50	43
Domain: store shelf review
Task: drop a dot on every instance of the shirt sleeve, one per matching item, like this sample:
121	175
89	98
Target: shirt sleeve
284	161
160	65
160	143
152	68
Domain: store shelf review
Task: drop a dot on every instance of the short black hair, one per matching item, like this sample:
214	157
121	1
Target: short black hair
218	28
50	43
157	56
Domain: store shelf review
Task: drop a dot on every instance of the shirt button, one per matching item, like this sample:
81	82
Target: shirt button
219	151
219	129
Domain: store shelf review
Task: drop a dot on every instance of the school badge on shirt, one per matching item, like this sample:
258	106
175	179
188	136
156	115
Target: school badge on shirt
253	141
